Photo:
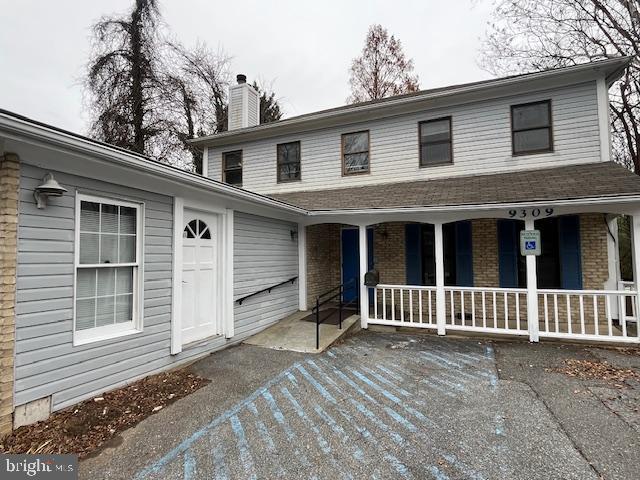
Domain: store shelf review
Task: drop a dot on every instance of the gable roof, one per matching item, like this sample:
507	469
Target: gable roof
610	69
602	180
14	125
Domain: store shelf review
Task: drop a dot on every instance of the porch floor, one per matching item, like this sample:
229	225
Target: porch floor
294	334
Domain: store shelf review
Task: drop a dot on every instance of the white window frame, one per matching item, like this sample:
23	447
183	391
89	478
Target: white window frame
81	337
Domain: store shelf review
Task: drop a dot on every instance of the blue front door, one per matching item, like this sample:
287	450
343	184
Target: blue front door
351	259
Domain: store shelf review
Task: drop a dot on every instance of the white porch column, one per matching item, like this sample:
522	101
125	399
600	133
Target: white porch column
364	292
440	300
532	290
635	251
302	267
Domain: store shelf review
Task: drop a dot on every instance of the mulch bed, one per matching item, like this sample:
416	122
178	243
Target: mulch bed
86	427
588	370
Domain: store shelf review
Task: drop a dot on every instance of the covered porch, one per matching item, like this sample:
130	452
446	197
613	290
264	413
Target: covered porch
458	267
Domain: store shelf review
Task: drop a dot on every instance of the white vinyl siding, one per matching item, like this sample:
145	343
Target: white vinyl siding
264	254
47	363
481	144
107	263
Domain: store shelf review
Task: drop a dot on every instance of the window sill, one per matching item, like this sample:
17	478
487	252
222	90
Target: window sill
439	164
104	333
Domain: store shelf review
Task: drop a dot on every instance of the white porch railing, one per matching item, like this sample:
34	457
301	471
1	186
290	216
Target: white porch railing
404	305
588	314
491	310
602	315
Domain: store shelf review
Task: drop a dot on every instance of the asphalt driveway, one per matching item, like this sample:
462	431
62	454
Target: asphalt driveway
390	405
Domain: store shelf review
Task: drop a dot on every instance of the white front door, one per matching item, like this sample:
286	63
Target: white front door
199	273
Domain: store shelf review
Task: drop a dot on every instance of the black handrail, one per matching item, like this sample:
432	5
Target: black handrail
340	292
268	289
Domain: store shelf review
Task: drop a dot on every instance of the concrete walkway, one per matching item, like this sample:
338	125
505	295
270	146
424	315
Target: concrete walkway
385	405
295	335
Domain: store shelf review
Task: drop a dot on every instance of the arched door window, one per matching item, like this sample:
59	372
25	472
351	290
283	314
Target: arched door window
197	229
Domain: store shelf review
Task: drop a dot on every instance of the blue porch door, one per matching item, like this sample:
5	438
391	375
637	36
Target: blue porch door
351	259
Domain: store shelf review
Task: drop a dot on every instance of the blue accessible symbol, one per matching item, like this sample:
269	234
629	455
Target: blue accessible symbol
530	245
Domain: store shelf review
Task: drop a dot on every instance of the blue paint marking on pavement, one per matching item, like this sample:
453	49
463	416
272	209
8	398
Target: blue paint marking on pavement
262	428
437	473
324	445
493	378
390	373
189	466
219	464
400	467
243	447
386	381
396	437
326	378
455	386
277	414
366	434
358	454
292	378
393	398
323	391
331	354
159	464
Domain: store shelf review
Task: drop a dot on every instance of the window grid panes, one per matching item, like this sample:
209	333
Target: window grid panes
107	265
232	168
288	162
435	142
355	152
531	128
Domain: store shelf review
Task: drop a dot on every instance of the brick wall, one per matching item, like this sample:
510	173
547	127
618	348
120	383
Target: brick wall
323	259
389	252
593	243
9	181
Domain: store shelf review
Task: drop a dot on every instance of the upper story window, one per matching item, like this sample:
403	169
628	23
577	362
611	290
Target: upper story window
355	153
531	128
232	168
107	268
435	142
288	162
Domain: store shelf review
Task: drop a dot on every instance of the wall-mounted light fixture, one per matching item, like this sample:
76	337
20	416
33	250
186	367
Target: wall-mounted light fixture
49	188
294	235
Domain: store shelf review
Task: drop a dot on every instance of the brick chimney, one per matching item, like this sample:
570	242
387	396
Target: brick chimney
244	105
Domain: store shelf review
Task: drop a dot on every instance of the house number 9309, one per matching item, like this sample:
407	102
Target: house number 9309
533	212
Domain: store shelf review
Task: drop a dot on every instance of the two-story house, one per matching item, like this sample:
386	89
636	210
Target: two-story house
115	266
433	189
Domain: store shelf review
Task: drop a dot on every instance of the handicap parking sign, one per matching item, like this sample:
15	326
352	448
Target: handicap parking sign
530	242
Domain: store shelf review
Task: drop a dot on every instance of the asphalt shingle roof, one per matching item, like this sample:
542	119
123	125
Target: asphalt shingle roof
605	179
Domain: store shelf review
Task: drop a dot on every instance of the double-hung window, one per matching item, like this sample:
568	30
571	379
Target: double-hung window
107	268
435	142
232	168
355	153
531	128
288	161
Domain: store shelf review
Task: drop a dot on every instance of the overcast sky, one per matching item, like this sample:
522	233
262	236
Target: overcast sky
303	48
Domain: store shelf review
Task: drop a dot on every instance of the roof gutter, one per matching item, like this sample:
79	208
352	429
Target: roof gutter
478	206
121	157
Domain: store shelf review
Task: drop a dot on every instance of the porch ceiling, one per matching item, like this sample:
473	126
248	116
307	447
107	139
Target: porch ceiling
607	180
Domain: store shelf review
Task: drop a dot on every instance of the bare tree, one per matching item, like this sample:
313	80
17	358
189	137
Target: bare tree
530	35
122	78
382	69
195	82
151	95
